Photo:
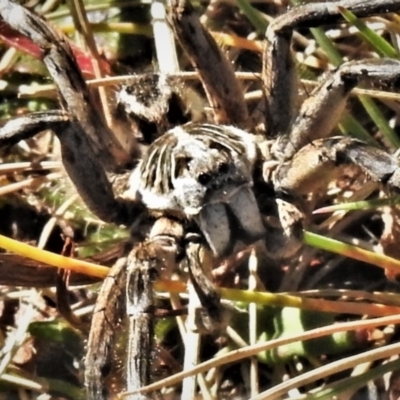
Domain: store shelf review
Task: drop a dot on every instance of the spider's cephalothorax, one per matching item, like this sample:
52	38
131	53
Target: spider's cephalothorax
197	193
204	173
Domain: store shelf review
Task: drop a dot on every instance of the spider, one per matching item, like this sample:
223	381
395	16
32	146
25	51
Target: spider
195	191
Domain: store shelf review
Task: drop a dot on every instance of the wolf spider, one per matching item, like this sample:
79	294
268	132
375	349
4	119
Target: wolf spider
195	192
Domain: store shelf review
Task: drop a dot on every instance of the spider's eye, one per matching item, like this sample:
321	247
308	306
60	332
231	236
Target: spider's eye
223	168
217	146
176	114
182	164
203	179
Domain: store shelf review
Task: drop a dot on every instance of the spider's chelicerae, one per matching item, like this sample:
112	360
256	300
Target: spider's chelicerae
196	191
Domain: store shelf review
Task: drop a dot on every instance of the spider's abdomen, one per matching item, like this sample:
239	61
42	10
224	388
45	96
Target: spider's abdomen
203	172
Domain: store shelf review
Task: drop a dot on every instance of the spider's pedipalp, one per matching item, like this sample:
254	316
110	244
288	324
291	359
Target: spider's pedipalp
212	316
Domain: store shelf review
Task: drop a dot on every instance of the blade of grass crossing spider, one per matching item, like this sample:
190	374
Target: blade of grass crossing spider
327	45
285	300
305	303
51	259
270	299
351	251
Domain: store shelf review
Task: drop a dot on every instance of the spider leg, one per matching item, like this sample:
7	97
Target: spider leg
83	167
223	90
279	75
319	163
304	170
127	295
306	160
141	273
30	125
320	113
108	312
88	147
73	91
325	159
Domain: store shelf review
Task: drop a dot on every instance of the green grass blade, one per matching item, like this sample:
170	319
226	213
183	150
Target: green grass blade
379	120
378	43
351	127
254	16
351	251
359	205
